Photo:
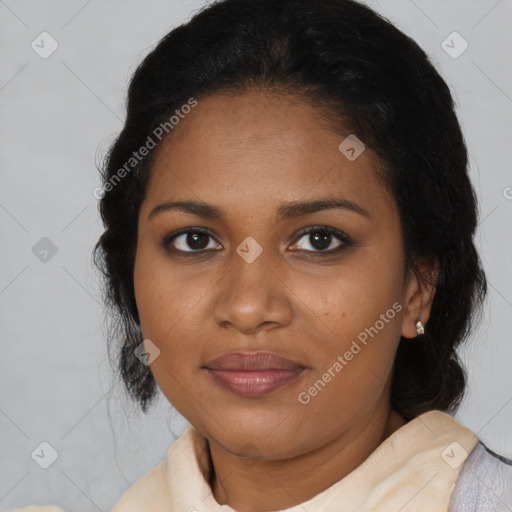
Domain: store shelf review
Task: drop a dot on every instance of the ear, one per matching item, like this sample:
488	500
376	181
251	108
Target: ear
419	294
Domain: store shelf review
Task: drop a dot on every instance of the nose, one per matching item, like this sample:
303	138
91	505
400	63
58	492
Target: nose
253	296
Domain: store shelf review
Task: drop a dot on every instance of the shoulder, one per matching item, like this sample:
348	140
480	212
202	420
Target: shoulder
484	482
167	486
149	492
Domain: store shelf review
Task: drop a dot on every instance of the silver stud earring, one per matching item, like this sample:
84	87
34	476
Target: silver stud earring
419	328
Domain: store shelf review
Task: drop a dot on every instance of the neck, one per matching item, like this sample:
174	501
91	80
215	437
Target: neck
269	485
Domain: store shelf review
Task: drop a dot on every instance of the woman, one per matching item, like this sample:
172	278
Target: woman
293	239
289	248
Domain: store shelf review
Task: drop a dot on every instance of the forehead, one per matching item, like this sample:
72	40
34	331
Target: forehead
258	148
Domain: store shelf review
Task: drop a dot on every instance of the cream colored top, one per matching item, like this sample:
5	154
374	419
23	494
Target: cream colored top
413	470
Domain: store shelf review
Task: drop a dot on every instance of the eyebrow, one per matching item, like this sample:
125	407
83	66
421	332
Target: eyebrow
286	211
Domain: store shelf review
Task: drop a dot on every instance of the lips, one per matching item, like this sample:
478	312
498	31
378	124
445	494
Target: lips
253	374
254	361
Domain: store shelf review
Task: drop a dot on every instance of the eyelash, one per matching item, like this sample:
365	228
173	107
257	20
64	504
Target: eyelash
326	230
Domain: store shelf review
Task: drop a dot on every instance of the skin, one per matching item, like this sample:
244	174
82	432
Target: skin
247	154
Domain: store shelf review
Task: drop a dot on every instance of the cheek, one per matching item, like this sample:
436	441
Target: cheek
354	297
169	306
163	295
365	337
358	313
355	348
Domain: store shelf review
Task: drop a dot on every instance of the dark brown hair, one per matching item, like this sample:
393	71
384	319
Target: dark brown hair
341	55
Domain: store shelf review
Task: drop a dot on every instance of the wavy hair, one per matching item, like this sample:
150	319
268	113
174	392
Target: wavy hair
366	76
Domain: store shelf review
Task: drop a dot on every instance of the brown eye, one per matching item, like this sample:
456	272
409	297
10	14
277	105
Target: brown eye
322	239
191	241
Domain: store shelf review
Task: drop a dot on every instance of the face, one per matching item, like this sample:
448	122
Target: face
248	270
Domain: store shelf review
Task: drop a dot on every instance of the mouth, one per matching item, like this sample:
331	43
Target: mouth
253	374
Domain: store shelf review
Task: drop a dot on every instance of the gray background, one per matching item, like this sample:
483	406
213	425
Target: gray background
57	117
